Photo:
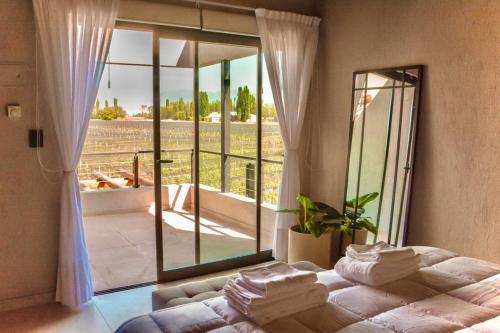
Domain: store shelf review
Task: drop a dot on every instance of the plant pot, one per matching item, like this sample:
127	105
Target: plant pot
306	247
360	237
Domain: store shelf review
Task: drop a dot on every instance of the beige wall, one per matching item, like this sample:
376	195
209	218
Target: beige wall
456	189
28	202
299	6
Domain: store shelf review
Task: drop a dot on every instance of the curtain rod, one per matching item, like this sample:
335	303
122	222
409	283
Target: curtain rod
219	4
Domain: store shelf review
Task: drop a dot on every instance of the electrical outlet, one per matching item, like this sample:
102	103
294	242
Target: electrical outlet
14	111
35	137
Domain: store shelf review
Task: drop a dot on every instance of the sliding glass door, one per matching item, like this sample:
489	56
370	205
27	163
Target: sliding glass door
176	152
228	150
208	151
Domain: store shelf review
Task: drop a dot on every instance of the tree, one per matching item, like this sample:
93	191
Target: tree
215	106
97	104
181	105
109	113
105	114
146	112
269	112
204	105
167	102
245	103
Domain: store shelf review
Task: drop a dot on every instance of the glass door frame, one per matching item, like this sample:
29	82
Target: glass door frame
199	36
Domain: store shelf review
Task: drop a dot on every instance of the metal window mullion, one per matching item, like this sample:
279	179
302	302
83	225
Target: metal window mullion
259	150
348	159
225	126
398	144
360	158
415	110
157	154
409	145
197	154
386	158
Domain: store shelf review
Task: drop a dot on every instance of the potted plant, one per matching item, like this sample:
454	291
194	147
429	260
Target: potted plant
356	224
310	238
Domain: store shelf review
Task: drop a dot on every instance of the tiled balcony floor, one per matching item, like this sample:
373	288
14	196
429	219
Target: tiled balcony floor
122	247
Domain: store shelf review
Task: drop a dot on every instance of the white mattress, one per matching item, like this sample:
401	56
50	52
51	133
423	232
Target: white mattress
448	294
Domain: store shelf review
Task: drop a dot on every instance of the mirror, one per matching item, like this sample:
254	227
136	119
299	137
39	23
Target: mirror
381	150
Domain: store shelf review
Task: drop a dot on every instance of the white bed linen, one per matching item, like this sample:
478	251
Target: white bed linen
448	294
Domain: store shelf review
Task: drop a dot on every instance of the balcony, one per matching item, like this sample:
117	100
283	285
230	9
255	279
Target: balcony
119	222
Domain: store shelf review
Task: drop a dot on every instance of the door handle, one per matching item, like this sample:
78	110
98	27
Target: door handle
164	161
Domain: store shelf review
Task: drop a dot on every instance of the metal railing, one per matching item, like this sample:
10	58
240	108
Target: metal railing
136	166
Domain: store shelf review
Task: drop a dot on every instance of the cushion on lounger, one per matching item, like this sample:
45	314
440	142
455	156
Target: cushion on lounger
203	290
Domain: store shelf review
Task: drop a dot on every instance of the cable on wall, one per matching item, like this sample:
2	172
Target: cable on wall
45	169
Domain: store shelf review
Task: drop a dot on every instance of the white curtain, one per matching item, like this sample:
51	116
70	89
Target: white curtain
74	38
289	43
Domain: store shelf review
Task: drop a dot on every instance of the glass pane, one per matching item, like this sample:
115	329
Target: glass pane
177	53
389	183
244	112
273	150
374	148
210	175
400	209
129	88
355	149
360	81
227	184
119	229
210	108
376	80
177	144
131	46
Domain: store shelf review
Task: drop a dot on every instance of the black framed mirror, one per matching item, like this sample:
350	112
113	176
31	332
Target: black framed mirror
383	127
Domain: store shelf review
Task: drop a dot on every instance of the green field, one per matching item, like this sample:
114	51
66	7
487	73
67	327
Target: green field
110	147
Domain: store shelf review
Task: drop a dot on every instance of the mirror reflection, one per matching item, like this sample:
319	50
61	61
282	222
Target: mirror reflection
383	123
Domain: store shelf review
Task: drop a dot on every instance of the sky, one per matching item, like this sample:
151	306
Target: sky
132	85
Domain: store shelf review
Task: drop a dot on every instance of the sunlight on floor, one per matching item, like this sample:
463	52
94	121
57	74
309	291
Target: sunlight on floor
185	221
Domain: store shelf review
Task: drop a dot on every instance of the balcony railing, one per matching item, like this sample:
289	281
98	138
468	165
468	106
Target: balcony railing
137	168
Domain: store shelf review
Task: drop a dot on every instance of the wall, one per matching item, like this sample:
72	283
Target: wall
307	7
28	202
456	190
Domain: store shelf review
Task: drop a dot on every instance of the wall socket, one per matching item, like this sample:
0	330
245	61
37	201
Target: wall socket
14	111
35	138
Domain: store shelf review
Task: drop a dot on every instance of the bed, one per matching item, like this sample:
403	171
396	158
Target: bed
449	293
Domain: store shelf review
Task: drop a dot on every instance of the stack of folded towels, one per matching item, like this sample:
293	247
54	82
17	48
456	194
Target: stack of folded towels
277	290
377	264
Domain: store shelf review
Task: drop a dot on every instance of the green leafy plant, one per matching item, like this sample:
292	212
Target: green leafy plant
353	216
317	218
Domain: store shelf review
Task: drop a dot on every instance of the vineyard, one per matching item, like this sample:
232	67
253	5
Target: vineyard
110	147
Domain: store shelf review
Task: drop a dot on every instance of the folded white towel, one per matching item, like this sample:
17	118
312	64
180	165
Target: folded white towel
376	273
275	279
252	300
378	252
310	297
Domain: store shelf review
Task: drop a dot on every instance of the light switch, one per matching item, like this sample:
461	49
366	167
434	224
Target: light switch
14	111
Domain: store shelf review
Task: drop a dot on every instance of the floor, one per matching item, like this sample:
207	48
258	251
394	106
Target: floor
104	314
122	249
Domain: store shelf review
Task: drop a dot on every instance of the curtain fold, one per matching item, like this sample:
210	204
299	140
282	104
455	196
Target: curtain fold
74	38
289	44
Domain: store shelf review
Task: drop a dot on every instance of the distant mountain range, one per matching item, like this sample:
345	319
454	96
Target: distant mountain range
187	95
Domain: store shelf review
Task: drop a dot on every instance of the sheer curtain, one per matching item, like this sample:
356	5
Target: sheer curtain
289	43
74	38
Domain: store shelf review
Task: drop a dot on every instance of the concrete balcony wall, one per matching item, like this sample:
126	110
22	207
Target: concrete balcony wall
227	207
238	209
